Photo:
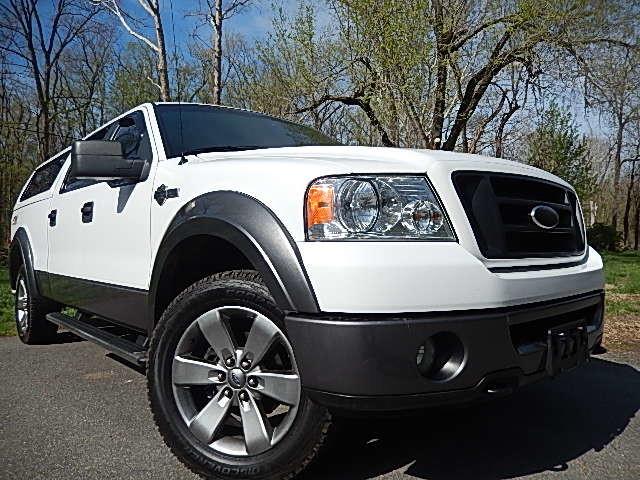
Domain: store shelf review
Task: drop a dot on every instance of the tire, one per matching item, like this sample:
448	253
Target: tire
30	313
239	302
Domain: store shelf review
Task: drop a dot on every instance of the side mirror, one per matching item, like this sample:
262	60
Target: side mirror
103	160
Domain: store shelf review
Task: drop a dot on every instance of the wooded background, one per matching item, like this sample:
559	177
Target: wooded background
550	83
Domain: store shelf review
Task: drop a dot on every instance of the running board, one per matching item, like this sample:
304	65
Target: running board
119	346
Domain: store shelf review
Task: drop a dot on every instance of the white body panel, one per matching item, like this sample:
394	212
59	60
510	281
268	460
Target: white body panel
385	277
33	218
114	247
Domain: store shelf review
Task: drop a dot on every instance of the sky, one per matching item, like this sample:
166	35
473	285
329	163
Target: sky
253	21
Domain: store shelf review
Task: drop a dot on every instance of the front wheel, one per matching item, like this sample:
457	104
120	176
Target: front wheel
224	386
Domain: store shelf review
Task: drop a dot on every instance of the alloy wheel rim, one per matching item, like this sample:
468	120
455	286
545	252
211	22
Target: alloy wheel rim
22	306
235	381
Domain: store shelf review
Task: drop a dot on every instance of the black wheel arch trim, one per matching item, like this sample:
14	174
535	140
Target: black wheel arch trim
254	229
20	245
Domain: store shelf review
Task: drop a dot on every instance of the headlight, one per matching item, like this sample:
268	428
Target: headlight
374	208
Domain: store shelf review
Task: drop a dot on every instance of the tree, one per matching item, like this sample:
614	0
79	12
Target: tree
633	163
420	71
85	76
214	15
37	44
636	234
557	147
18	142
129	85
610	79
499	34
152	8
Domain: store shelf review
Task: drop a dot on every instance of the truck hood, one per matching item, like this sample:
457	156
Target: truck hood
334	160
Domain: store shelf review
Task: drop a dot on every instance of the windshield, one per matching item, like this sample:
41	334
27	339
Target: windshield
209	128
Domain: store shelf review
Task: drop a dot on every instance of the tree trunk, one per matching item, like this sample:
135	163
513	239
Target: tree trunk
636	239
477	86
216	74
437	120
616	172
499	143
475	91
504	120
593	212
44	133
627	205
163	71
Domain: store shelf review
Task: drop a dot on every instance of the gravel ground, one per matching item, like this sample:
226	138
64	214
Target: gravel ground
71	411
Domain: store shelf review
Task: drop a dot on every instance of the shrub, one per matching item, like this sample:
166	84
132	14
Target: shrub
604	237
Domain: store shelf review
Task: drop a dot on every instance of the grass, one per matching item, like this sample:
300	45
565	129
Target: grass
622	278
7	323
622	284
622	272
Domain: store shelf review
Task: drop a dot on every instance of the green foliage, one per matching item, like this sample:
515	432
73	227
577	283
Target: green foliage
604	237
133	80
557	147
622	270
622	276
621	306
7	322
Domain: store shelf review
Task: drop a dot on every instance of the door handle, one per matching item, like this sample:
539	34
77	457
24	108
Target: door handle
52	217
87	212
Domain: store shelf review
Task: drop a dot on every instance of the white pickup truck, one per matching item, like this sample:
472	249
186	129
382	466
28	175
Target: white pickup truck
268	277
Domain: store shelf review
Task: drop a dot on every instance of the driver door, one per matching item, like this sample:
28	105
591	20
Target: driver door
100	247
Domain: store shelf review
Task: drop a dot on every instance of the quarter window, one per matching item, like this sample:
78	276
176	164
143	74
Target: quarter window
44	177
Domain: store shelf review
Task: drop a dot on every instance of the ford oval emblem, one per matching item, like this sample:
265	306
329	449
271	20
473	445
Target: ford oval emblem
544	217
237	378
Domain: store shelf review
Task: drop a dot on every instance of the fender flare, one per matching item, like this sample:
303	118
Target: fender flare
254	229
21	247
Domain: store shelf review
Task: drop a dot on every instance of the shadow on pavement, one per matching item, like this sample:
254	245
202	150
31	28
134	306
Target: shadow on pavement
66	337
541	428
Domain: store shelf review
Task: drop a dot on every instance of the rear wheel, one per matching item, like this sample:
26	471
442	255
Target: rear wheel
30	313
224	386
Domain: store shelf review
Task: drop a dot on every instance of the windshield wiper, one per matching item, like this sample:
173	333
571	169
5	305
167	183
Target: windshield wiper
221	148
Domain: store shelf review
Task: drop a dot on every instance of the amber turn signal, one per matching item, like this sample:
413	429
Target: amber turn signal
319	204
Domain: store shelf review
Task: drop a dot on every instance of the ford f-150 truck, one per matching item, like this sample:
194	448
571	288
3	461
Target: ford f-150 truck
269	278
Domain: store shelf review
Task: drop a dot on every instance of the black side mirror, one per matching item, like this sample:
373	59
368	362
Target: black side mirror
103	160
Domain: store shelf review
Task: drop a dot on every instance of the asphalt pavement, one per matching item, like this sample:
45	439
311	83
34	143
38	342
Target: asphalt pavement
71	411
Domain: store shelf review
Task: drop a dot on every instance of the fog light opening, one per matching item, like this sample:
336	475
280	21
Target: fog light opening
440	356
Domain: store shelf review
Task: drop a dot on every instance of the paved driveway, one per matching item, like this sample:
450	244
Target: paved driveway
70	411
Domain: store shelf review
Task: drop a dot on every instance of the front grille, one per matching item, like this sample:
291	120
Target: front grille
499	210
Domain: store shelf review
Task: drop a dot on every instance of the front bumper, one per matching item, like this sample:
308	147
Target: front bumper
369	362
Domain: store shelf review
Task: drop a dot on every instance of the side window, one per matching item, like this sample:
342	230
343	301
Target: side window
44	177
100	134
131	132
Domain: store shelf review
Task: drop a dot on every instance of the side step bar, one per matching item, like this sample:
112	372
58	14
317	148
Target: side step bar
119	346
